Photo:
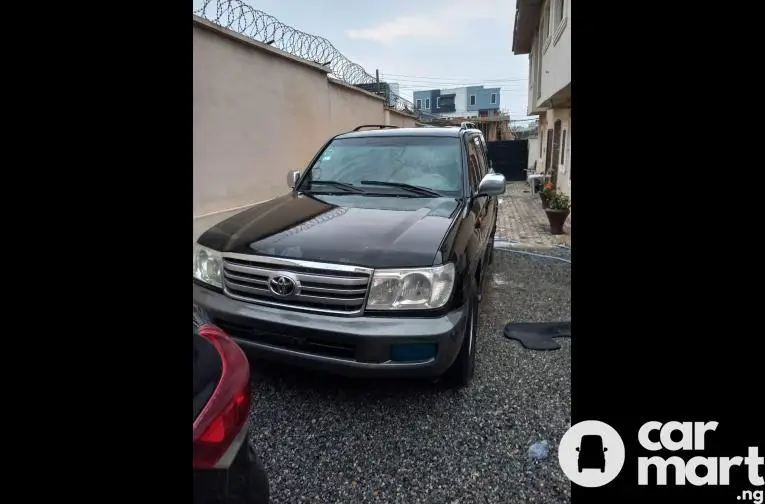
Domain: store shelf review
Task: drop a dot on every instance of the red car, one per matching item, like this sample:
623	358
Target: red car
226	467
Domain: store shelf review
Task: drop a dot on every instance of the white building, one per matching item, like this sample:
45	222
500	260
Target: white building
543	31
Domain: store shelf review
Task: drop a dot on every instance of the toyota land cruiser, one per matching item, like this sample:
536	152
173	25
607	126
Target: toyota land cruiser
372	265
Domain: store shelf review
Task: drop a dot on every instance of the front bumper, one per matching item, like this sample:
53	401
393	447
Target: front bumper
356	346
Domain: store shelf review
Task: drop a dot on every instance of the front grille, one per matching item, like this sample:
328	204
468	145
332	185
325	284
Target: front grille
301	344
317	286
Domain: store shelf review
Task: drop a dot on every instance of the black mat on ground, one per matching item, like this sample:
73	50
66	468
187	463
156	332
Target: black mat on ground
538	335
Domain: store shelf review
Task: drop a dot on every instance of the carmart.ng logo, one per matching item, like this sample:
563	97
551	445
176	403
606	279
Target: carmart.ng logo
591	454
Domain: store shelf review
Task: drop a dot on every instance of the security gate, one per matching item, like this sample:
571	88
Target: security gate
510	158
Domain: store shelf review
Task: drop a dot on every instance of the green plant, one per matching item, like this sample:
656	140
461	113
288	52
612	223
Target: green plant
560	202
548	191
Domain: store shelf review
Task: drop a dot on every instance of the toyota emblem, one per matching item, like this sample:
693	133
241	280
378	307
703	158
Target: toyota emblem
282	285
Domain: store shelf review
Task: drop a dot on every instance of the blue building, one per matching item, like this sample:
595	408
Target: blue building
467	101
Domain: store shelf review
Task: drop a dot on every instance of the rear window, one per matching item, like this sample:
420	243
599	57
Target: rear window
432	162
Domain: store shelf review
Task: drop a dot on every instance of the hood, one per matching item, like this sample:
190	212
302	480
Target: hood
371	231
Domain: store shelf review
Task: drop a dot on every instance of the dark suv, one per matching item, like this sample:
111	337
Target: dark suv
372	265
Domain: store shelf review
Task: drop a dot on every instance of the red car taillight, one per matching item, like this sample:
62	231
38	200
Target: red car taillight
224	417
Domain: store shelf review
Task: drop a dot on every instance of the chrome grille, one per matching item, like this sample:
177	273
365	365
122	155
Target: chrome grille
320	287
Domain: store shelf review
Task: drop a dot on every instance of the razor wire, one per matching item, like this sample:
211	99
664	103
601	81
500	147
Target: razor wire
242	18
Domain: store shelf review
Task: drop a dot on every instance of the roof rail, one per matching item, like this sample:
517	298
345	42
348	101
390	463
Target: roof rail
378	126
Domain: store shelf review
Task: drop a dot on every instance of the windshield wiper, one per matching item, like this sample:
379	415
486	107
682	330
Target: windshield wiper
422	191
340	185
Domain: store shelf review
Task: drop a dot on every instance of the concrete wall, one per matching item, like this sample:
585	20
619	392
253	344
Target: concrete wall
348	108
260	112
398	119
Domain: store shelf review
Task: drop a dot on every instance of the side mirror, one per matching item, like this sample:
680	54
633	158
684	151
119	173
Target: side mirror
577	448
292	178
492	184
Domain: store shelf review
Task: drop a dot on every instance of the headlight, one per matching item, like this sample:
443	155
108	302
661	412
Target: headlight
208	266
411	289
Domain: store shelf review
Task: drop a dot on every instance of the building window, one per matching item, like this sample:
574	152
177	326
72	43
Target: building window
544	27
493	98
560	6
472	99
427	103
438	102
563	149
418	104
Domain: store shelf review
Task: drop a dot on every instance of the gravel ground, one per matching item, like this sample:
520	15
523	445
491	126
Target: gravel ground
326	439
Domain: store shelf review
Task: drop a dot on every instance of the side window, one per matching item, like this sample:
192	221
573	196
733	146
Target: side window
473	166
486	152
483	164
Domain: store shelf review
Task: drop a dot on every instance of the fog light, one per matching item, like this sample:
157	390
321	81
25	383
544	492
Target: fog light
413	352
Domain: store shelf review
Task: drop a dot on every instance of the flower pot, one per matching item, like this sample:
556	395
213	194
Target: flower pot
556	218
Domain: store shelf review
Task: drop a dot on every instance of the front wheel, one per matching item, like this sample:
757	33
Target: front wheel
462	370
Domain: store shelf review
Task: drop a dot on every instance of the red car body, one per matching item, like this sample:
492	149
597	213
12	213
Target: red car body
226	467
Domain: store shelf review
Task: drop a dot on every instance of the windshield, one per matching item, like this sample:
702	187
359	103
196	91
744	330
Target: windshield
592	443
430	162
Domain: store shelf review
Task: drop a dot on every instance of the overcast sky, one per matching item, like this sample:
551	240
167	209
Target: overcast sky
437	44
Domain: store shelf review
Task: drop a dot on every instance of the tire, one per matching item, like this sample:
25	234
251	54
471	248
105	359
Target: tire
257	482
461	372
248	483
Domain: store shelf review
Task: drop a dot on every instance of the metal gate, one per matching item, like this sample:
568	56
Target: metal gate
510	158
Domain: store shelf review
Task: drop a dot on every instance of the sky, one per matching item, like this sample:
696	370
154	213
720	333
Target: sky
420	44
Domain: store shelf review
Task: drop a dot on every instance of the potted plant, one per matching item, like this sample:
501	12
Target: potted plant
546	194
560	207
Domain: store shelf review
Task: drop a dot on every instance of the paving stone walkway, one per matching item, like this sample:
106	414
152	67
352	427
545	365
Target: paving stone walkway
522	219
